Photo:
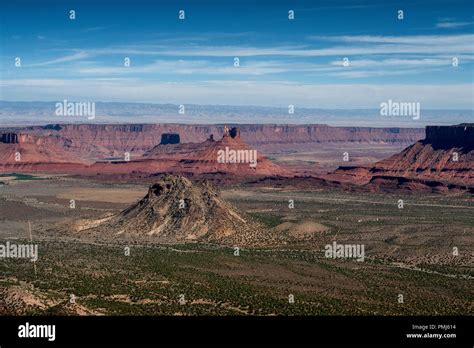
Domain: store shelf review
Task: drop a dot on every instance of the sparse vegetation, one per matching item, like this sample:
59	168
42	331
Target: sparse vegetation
408	251
20	176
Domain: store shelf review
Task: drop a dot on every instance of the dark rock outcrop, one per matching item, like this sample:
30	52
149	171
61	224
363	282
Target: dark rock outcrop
234	132
9	138
55	127
446	137
169	138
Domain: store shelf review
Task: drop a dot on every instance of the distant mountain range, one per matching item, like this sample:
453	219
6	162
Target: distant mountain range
14	113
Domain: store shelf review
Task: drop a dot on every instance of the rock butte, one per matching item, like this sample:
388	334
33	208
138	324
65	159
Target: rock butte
443	161
175	210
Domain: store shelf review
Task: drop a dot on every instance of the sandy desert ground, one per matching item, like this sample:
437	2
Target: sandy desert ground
408	252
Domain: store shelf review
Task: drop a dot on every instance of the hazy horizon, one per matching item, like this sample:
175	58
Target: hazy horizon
18	113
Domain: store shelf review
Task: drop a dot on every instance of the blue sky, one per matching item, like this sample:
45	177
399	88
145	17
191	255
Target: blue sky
282	61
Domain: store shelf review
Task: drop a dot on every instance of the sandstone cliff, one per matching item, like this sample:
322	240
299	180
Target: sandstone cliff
98	141
446	155
24	149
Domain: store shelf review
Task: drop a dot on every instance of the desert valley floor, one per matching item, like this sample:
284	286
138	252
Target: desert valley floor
408	253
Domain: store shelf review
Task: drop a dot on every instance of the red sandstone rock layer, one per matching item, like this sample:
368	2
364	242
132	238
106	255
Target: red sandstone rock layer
96	141
198	158
23	151
445	156
46	155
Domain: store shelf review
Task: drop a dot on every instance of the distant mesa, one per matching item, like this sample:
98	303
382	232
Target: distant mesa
169	138
443	161
96	142
25	152
440	157
9	138
447	137
55	127
50	152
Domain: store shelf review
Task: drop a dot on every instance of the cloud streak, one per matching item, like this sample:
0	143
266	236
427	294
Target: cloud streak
69	58
452	25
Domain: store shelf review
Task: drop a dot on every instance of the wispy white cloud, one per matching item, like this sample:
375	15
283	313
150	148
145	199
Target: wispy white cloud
344	45
398	62
405	40
69	58
93	29
452	25
363	73
334	68
207	67
370	56
236	51
394	47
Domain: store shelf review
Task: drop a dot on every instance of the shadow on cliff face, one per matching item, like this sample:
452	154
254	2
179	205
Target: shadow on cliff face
445	138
